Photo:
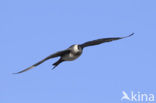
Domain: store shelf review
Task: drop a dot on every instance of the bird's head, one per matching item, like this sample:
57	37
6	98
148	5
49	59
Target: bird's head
76	49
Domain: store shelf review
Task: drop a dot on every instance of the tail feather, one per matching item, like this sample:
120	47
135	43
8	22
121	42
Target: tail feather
57	63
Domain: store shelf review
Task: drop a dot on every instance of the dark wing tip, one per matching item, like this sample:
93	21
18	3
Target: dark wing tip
24	70
18	72
129	35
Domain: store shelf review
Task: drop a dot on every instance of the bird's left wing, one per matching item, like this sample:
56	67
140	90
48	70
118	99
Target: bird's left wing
60	53
99	41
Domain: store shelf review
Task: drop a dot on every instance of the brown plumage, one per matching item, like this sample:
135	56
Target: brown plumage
73	52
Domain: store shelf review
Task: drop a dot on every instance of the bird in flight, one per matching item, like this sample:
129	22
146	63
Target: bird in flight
73	52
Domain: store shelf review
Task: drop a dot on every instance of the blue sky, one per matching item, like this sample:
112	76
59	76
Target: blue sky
33	29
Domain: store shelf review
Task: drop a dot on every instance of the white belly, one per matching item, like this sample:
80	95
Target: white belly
70	57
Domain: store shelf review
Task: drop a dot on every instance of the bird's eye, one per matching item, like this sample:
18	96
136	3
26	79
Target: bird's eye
79	47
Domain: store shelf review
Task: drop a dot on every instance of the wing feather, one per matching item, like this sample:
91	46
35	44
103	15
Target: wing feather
103	40
60	53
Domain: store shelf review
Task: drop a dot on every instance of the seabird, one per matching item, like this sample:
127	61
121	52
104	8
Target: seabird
73	52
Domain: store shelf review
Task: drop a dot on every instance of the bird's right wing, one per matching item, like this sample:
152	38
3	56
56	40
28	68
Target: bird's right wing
103	40
60	53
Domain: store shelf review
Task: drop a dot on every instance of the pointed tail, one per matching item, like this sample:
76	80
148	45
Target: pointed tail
57	63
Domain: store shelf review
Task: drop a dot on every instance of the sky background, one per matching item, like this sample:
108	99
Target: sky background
33	29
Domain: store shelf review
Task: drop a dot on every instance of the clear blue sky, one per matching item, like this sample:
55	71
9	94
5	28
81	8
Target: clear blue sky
32	29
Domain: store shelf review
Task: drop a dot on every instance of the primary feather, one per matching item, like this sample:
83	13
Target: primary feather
60	53
103	40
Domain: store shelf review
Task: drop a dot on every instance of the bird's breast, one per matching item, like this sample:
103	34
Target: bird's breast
71	56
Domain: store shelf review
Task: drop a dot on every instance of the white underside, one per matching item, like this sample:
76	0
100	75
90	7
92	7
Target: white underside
70	57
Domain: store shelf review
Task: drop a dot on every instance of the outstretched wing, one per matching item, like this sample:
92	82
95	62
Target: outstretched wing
60	53
103	40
